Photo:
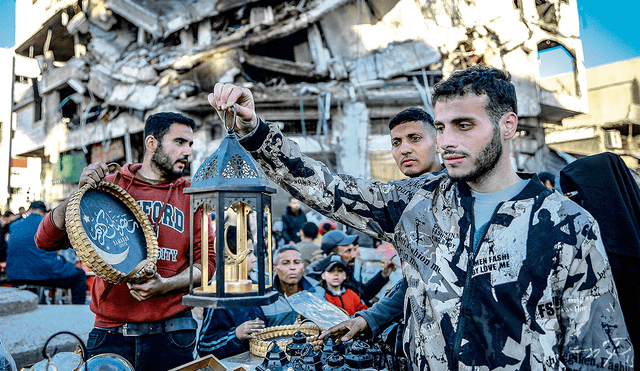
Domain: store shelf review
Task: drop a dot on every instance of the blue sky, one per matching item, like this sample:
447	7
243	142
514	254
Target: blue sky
606	29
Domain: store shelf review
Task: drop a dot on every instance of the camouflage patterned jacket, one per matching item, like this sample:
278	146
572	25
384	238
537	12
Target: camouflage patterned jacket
537	294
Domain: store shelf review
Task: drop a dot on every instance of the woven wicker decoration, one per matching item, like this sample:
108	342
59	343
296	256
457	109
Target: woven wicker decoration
110	233
260	345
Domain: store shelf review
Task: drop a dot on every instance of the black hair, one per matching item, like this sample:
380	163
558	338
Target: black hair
231	234
310	230
481	80
284	248
326	227
158	125
413	114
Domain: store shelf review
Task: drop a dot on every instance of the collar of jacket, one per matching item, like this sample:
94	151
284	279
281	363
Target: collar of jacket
342	291
531	190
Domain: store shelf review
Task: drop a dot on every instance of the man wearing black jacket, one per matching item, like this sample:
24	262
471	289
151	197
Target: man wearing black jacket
292	220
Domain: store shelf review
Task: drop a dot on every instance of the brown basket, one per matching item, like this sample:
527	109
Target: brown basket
260	345
84	247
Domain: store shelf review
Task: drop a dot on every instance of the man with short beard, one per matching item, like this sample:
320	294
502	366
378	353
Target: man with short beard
413	147
146	322
468	239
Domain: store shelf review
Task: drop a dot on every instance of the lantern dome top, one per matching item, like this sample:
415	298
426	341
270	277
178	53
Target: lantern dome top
230	168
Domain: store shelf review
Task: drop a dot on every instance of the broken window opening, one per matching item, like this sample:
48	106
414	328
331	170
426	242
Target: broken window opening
379	125
281	48
37	101
286	60
68	107
37	109
137	146
556	62
547	11
273	78
295	126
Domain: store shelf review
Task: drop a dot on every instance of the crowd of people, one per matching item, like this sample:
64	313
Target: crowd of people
500	269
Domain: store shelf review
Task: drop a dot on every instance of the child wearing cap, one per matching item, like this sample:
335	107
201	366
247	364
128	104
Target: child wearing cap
333	280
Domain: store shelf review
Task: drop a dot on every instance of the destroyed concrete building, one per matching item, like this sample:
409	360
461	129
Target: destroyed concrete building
331	72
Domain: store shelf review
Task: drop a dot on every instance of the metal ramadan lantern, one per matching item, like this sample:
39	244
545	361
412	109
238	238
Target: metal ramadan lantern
230	179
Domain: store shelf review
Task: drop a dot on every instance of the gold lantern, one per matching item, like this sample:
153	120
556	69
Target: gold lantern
230	179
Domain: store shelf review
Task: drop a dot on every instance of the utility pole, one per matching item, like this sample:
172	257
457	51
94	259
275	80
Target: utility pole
11	131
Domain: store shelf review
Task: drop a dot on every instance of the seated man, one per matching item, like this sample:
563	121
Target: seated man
6	220
226	331
289	280
27	264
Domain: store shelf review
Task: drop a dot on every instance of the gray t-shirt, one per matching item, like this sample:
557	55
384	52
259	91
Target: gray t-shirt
485	204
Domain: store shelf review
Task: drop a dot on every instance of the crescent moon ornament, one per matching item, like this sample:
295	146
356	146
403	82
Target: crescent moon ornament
113	259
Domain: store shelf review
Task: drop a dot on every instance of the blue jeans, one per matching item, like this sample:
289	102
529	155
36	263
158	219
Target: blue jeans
158	352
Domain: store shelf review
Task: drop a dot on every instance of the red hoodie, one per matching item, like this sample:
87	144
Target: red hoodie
119	306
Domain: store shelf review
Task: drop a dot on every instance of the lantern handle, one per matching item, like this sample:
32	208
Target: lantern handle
235	115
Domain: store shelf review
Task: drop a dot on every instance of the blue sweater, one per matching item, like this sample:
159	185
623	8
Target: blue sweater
25	261
218	334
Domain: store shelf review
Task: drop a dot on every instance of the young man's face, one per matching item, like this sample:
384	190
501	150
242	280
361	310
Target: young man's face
471	145
334	277
172	153
413	148
289	267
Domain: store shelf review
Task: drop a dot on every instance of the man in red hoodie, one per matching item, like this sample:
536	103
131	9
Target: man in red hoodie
146	323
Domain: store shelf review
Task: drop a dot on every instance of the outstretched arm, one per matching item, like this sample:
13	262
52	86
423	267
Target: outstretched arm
367	205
